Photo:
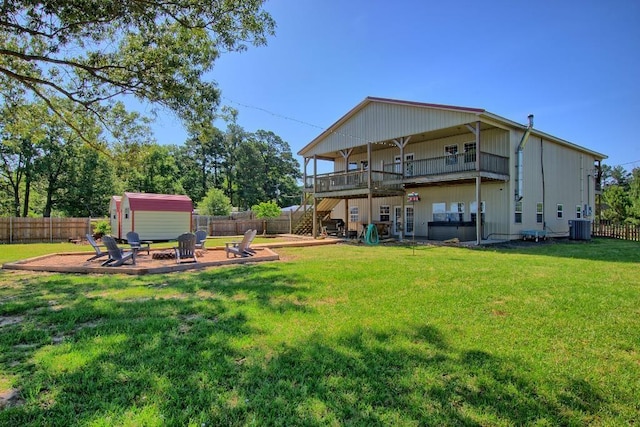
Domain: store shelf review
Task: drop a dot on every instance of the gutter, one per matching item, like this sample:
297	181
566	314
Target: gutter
519	160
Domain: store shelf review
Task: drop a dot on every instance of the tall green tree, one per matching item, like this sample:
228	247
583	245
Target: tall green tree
634	196
158	172
233	138
157	51
20	129
274	171
91	183
200	160
617	202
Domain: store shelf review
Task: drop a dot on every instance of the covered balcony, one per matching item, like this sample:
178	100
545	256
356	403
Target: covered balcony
390	180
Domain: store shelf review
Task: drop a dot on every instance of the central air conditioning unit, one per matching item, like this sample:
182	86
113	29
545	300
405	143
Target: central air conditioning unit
580	229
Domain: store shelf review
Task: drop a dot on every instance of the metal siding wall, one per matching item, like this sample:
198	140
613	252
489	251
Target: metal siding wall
384	122
565	175
532	189
495	141
495	196
571	169
151	225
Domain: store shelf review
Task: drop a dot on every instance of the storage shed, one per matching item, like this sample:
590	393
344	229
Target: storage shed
114	216
155	216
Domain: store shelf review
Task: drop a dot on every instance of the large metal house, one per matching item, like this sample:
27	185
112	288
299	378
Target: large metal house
420	170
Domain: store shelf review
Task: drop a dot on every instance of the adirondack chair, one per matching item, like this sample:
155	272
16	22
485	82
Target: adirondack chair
241	248
117	256
134	241
186	249
201	239
99	252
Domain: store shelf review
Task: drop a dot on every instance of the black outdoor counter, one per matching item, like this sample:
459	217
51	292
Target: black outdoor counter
445	230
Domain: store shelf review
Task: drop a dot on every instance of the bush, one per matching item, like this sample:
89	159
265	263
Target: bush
215	203
101	228
266	210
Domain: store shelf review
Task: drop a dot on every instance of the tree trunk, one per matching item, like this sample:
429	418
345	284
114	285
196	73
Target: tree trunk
27	190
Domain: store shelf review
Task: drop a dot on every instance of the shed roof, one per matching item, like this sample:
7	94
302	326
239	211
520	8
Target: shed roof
159	202
117	199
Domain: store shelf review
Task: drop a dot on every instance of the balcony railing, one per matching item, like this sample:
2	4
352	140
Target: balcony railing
337	181
391	178
453	163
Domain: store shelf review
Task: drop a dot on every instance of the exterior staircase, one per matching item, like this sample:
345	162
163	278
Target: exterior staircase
304	226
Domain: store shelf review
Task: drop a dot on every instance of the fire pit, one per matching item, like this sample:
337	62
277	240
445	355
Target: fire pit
164	255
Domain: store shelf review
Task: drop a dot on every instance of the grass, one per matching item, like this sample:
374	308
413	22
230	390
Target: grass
333	335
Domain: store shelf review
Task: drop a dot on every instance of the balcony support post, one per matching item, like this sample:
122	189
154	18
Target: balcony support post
314	228
369	184
346	217
478	189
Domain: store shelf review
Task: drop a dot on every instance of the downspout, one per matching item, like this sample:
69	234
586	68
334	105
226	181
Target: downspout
519	160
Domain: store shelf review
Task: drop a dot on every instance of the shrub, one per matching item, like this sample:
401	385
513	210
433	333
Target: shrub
101	228
215	203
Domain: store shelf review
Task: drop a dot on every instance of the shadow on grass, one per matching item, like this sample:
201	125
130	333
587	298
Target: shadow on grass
190	355
367	379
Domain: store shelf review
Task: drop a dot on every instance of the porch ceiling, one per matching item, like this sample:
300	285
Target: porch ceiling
415	138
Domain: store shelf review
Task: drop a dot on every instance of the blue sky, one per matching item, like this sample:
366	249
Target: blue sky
574	64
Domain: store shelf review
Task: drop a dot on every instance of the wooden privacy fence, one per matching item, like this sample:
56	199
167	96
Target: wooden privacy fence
38	230
226	226
42	230
616	231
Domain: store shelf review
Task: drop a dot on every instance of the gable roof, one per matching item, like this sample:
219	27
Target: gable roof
371	100
116	199
159	202
482	115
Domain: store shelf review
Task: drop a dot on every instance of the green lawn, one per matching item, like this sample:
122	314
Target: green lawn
333	335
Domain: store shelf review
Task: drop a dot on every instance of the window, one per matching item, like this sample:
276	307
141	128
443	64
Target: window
451	153
456	212
397	160
408	164
578	211
518	211
439	211
126	213
364	165
353	166
385	213
353	214
559	210
539	213
473	209
469	152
